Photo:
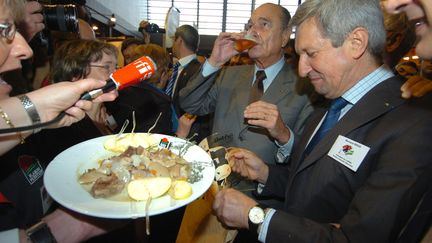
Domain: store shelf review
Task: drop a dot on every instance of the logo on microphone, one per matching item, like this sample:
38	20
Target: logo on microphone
144	68
136	71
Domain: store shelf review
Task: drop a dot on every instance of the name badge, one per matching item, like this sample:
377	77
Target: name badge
348	152
31	168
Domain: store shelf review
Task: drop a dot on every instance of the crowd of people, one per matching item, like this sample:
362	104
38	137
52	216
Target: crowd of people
352	166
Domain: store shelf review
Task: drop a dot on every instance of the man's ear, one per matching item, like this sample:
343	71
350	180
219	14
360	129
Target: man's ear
180	39
286	37
358	41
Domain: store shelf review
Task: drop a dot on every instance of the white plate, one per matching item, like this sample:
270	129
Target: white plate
61	181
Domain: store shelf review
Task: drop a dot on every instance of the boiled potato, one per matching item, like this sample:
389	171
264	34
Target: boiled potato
120	144
181	190
153	187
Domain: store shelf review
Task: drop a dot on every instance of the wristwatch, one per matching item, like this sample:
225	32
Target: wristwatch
40	233
256	217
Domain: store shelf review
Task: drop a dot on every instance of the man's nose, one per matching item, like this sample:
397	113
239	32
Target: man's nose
303	66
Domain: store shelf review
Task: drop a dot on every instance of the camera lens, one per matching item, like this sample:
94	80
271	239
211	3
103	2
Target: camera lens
61	17
152	28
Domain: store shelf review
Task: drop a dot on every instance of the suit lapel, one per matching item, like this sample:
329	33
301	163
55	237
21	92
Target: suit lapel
377	102
190	69
280	87
241	92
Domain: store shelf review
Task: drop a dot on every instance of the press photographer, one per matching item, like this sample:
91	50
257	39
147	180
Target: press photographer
59	16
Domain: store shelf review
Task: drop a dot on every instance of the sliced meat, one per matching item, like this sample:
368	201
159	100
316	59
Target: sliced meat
107	186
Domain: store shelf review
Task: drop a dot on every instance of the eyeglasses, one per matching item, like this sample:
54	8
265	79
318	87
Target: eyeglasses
107	67
8	31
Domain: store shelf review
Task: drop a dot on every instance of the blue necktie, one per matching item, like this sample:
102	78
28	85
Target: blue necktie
170	85
329	122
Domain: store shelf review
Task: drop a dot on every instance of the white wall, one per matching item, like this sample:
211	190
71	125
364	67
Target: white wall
129	13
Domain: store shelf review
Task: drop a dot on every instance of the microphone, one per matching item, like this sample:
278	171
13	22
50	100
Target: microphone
136	71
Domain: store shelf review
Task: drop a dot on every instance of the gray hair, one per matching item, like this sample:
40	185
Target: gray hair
285	15
337	18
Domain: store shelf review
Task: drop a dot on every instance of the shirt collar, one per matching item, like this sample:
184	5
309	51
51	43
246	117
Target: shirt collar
187	59
362	87
272	70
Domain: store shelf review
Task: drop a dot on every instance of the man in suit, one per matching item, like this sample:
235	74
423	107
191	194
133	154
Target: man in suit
280	114
362	179
185	46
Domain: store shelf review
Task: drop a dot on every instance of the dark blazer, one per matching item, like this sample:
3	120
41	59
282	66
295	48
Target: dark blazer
373	203
147	102
202	125
185	75
227	94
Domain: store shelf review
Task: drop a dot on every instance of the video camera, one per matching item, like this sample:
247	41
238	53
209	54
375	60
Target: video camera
59	16
151	28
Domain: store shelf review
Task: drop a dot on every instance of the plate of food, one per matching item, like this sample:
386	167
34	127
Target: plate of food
129	176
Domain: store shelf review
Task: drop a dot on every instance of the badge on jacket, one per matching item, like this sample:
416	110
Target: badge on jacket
30	167
348	152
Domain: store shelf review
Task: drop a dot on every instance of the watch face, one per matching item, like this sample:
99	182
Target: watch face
256	215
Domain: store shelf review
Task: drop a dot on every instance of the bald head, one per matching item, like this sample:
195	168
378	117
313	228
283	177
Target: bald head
86	31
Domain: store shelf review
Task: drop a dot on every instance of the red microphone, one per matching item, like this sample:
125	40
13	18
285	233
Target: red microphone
136	71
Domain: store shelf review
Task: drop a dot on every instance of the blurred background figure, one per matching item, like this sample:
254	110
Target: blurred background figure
426	69
148	100
127	49
146	97
86	32
400	38
407	69
185	46
399	52
87	59
240	59
143	25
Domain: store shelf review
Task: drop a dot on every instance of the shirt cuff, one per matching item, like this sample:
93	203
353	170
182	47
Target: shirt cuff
10	236
284	150
262	233
208	69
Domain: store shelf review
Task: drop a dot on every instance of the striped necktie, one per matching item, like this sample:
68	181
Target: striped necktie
170	85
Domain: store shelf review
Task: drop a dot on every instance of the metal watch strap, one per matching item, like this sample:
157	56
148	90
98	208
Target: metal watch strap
40	233
30	109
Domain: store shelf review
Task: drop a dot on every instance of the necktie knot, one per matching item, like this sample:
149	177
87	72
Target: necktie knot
176	65
259	78
257	89
328	123
337	104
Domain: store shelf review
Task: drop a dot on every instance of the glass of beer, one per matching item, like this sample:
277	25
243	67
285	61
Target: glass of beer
247	42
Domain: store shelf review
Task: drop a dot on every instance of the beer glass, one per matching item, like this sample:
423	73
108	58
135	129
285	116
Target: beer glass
247	42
